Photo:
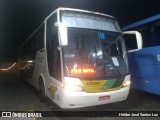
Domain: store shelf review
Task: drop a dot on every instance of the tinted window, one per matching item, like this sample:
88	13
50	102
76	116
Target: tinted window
34	43
130	41
150	34
146	35
53	55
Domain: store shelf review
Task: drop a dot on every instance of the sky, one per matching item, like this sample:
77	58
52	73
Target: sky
19	18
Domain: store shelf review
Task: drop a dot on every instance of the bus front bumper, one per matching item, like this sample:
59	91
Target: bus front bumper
72	99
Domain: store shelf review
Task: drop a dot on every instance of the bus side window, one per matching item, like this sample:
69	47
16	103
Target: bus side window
158	32
145	30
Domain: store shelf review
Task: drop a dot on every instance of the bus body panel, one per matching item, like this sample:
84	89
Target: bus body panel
39	68
145	67
71	99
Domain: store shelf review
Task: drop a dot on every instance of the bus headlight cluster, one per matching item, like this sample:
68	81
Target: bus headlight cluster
72	87
126	83
73	84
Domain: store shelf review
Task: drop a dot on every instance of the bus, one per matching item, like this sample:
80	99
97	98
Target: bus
77	58
145	64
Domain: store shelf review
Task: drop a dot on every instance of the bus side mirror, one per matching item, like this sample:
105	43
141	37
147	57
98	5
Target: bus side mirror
133	40
63	35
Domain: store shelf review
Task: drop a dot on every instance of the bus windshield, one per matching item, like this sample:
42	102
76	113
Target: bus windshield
94	53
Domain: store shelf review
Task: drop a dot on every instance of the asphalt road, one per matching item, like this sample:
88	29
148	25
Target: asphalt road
16	95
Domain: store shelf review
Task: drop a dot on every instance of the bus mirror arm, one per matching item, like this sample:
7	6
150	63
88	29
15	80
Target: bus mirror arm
62	33
138	38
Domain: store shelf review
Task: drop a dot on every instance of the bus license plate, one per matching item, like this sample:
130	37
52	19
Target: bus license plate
104	98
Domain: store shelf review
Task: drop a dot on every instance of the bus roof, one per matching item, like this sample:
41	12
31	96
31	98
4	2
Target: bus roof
78	10
63	8
147	20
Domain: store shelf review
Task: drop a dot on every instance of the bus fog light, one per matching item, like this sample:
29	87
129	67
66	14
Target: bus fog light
126	83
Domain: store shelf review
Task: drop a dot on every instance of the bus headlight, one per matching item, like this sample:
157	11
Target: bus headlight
73	84
72	87
126	83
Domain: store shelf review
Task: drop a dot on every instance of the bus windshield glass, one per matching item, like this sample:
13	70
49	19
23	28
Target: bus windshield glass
94	53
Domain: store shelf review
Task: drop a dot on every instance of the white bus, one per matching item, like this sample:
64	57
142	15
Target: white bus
77	58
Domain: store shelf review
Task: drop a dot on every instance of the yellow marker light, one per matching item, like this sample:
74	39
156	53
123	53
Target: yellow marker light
126	83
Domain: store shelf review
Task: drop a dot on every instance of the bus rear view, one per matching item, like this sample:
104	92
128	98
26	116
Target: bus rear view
86	59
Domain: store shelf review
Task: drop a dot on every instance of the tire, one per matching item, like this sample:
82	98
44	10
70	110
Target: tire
41	89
